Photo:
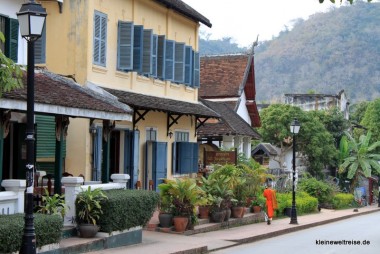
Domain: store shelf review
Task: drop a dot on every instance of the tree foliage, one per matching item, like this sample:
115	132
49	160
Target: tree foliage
362	158
371	119
10	73
313	140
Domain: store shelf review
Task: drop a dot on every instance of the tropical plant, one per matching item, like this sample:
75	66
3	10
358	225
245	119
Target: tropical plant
88	205
10	73
362	159
53	204
258	201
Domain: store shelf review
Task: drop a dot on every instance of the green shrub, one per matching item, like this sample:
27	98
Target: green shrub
125	209
318	189
342	200
47	228
304	203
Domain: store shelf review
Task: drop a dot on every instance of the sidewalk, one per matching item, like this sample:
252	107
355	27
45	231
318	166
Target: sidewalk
159	242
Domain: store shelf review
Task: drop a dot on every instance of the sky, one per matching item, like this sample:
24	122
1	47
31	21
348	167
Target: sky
243	20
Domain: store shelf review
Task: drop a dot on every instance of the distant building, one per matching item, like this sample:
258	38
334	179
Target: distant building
308	102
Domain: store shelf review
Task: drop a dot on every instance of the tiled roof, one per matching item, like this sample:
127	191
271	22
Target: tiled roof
230	124
147	102
54	90
267	148
223	76
186	10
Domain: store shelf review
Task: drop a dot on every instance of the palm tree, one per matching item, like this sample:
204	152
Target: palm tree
361	159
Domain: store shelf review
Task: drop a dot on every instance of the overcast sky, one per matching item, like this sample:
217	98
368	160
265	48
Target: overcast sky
243	20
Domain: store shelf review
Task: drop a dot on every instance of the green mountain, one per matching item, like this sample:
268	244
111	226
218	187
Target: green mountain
328	52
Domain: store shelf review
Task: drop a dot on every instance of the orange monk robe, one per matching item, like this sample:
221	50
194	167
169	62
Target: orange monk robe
270	196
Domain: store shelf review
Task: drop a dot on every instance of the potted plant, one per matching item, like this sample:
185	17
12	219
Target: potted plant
257	204
53	204
239	200
88	211
206	186
166	207
186	194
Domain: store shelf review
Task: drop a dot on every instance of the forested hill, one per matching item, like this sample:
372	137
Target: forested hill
324	54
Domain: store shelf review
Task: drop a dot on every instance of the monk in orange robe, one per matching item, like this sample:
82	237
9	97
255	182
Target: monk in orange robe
271	203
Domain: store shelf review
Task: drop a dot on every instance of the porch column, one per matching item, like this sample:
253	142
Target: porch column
18	187
61	125
107	128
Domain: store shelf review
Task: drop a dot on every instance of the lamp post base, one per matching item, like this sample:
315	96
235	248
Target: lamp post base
293	218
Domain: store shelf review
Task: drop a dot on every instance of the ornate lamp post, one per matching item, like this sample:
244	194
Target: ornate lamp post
31	19
294	129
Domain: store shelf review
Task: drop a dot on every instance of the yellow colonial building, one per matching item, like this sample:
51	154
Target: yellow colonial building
144	54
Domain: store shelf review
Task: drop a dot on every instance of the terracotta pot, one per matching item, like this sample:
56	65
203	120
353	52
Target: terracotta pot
238	212
204	212
256	209
180	223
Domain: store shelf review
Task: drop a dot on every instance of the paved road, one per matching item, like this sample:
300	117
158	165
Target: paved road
356	235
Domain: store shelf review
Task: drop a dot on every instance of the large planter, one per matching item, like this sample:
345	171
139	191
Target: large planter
204	212
218	216
180	223
88	230
165	219
238	211
228	214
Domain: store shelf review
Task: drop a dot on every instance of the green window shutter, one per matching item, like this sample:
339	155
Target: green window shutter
147	51
100	38
40	48
179	64
11	38
137	48
188	65
46	137
161	44
196	71
154	55
124	46
169	60
2	29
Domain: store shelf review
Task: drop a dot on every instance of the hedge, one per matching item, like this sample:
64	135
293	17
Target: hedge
342	200
304	203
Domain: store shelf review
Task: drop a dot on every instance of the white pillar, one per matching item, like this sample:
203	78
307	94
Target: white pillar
122	179
72	188
17	186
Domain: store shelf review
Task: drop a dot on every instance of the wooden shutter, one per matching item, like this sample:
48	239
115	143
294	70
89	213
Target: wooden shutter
159	167
154	55
147	51
11	39
137	48
124	46
179	64
196	71
187	157
161	46
169	60
188	65
97	156
40	48
100	38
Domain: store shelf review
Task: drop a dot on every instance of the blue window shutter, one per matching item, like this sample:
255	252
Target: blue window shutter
161	45
154	55
147	51
11	38
137	48
169	60
159	167
174	158
196	77
124	46
40	48
136	156
187	157
188	65
179	65
100	38
98	144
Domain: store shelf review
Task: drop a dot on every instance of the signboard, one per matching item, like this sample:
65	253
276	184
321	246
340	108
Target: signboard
220	157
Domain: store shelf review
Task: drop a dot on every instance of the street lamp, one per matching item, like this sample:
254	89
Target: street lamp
294	129
31	18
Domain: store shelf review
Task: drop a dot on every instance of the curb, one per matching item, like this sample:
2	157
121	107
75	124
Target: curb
289	230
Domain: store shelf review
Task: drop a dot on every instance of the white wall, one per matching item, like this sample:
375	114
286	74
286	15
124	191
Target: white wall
242	110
